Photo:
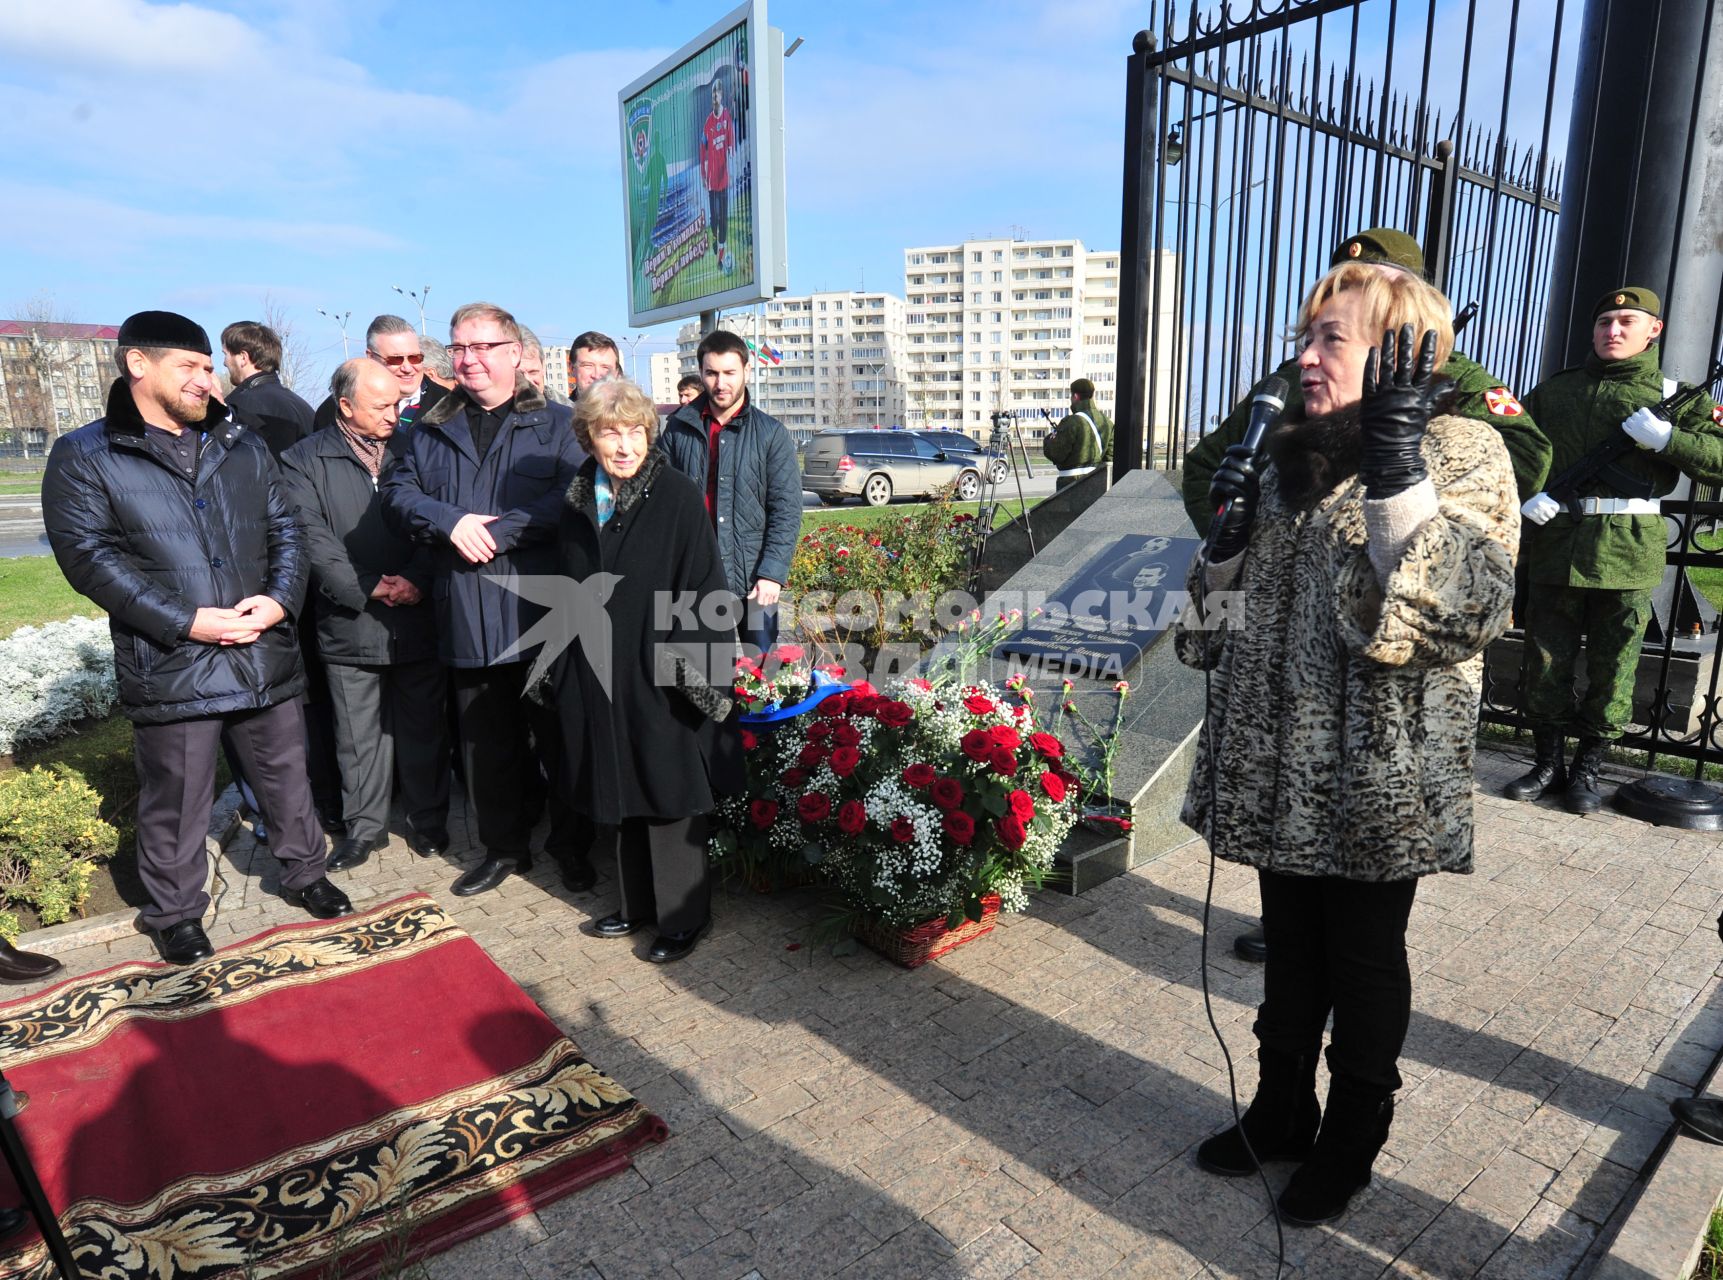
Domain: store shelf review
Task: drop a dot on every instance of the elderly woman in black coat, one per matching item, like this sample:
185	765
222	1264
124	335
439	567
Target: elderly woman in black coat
645	701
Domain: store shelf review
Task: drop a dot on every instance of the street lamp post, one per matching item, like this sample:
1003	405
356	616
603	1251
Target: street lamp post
633	357
341	324
418	296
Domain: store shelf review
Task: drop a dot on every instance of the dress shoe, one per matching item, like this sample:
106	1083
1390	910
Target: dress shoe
1251	945
488	875
321	898
259	830
184	943
578	875
428	841
12	1219
331	826
1701	1116
673	946
353	852
615	927
25	966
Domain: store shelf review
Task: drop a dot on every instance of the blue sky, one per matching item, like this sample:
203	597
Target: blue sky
202	155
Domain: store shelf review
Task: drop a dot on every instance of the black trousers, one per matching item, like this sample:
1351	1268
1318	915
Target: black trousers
1337	946
176	785
498	728
390	721
663	873
718	206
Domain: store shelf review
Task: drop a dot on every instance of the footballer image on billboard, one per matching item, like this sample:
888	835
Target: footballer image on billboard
704	203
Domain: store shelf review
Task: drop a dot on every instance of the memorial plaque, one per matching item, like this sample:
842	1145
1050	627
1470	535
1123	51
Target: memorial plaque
1103	619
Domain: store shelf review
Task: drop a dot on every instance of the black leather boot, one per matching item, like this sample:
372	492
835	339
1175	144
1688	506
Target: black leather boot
1548	772
1281	1122
1251	945
1582	795
1354	1127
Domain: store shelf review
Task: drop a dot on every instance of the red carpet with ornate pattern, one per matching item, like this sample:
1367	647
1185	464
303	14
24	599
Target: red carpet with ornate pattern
360	1088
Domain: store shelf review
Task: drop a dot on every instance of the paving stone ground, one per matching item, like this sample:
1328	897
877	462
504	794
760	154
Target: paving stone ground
1028	1105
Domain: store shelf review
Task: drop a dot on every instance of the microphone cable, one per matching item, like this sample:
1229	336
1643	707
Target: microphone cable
1208	1003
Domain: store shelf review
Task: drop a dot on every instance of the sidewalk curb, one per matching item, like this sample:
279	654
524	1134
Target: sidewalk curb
112	926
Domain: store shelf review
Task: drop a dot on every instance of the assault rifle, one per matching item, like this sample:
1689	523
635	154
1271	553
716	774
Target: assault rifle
1599	464
1468	313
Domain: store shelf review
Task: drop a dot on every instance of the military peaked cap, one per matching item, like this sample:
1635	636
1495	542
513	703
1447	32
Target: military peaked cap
1382	245
1630	297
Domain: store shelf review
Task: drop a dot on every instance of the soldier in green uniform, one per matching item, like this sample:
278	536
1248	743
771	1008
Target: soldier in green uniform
1083	438
1593	574
1482	395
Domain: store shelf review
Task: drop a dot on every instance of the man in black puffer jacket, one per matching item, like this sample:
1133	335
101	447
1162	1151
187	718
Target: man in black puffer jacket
174	520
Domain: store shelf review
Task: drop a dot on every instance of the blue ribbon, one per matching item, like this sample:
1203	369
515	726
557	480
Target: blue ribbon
821	688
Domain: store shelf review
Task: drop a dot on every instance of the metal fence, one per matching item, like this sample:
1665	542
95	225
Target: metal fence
1285	128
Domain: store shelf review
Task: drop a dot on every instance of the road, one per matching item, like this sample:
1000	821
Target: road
21	532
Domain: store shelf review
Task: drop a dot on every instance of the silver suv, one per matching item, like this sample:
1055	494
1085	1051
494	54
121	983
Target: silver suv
881	465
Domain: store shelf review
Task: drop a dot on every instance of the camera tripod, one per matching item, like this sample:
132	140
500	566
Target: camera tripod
1005	442
24	1174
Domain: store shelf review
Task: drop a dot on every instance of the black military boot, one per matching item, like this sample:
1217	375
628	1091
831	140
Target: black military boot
1354	1127
1582	795
1281	1122
1548	773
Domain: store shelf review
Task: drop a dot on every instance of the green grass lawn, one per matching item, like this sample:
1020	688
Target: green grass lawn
33	591
10	488
866	517
1709	583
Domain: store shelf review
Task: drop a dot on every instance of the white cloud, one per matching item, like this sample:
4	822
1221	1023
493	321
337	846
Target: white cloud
53	221
125	35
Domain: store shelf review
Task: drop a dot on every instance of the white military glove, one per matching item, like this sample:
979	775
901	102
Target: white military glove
1648	430
1540	508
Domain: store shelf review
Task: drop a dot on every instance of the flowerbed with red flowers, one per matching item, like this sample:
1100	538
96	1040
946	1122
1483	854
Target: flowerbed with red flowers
912	802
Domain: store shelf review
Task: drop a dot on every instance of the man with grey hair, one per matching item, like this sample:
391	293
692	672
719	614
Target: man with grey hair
438	367
482	479
532	365
377	636
396	345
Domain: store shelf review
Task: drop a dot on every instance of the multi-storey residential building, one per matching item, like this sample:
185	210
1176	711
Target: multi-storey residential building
838	358
556	370
1009	324
53	377
665	371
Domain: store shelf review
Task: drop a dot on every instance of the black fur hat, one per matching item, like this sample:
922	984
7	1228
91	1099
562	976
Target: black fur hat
163	329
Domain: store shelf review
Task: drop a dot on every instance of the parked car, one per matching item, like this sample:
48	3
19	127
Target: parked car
989	463
878	466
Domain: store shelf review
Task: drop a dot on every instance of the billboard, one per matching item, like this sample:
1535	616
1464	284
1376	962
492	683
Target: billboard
702	160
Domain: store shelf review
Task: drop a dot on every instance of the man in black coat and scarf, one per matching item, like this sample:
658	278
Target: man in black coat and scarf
173	520
370	597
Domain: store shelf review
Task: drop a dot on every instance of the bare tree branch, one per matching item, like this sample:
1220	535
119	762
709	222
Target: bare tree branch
297	366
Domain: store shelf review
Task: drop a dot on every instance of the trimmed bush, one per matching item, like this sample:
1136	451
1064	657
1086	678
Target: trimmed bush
51	837
51	677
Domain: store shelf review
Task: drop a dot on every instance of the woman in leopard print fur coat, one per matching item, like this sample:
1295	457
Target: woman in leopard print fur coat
1343	613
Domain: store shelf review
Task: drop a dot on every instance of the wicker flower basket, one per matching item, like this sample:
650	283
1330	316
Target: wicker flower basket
915	945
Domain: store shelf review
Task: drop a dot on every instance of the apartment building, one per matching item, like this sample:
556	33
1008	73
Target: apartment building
664	369
54	377
1002	323
556	371
826	359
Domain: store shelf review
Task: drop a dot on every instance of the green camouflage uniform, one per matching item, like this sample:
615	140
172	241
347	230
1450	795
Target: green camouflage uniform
1593	575
1480	395
1071	444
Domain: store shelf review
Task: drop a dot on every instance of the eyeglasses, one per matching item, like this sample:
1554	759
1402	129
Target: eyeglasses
480	349
395	362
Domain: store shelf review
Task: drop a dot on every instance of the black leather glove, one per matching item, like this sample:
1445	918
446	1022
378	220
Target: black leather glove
1235	480
1394	412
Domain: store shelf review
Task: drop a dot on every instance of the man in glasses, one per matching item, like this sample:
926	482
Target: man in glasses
482	480
394	344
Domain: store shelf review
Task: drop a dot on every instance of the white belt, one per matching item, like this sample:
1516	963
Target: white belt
1621	506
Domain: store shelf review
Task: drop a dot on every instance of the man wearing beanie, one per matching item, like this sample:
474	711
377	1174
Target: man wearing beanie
1480	394
1593	573
173	520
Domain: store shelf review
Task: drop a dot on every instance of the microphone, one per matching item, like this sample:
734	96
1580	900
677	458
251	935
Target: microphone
1265	410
